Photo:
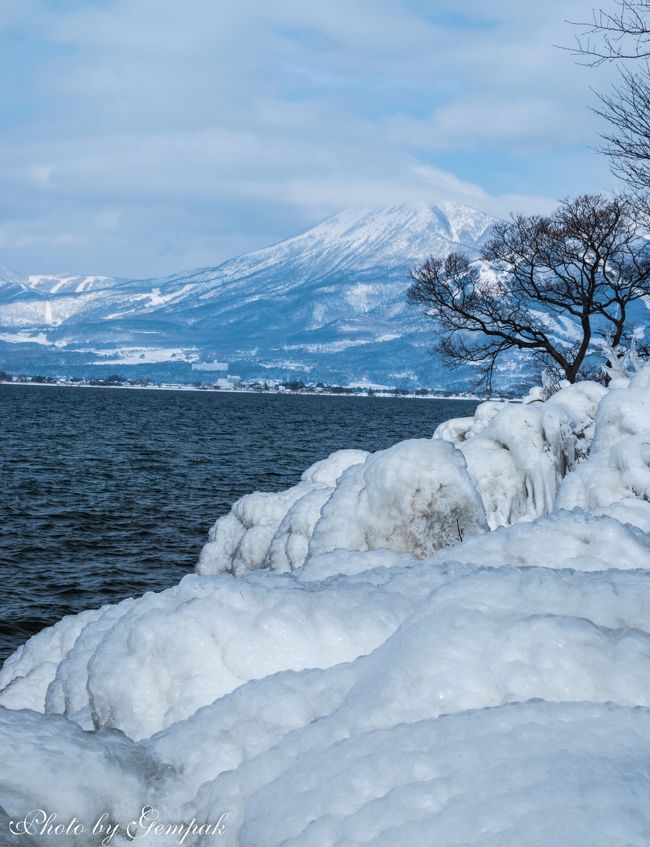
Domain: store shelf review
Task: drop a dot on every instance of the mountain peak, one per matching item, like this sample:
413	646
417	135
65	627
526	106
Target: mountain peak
444	218
403	225
364	237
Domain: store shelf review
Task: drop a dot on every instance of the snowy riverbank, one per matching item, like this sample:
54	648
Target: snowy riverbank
446	642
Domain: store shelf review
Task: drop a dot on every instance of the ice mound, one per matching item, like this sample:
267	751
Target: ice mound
418	496
415	497
458	430
619	464
519	459
623	412
446	642
264	530
616	473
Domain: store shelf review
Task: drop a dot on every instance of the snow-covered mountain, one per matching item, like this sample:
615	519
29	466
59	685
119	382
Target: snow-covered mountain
328	304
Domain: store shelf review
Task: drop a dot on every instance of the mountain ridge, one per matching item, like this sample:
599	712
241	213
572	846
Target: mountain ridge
328	303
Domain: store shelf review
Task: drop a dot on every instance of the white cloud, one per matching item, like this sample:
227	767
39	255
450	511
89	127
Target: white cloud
155	135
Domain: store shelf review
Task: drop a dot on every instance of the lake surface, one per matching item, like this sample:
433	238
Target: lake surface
108	493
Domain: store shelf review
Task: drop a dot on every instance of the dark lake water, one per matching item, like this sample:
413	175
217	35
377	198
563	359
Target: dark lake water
106	493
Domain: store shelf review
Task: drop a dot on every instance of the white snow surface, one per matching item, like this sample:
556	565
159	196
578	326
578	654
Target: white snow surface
446	642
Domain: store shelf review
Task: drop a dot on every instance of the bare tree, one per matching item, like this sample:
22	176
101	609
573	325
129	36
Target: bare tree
545	286
623	33
623	36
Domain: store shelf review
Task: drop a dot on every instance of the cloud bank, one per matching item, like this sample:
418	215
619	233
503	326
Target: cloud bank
144	136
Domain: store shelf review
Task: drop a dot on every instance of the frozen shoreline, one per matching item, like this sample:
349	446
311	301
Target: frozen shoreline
447	641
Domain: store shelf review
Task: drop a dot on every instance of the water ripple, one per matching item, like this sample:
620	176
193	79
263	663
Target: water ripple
106	494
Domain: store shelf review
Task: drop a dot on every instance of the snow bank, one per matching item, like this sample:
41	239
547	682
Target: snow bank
359	660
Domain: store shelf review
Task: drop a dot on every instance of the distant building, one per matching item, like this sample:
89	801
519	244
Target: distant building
228	382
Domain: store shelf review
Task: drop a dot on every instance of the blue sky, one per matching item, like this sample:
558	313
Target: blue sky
140	137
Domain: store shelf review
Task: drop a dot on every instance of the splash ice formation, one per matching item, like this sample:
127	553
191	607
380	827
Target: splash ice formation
446	642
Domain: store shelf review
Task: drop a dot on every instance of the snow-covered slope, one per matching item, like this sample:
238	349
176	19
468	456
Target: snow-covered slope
328	305
446	642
